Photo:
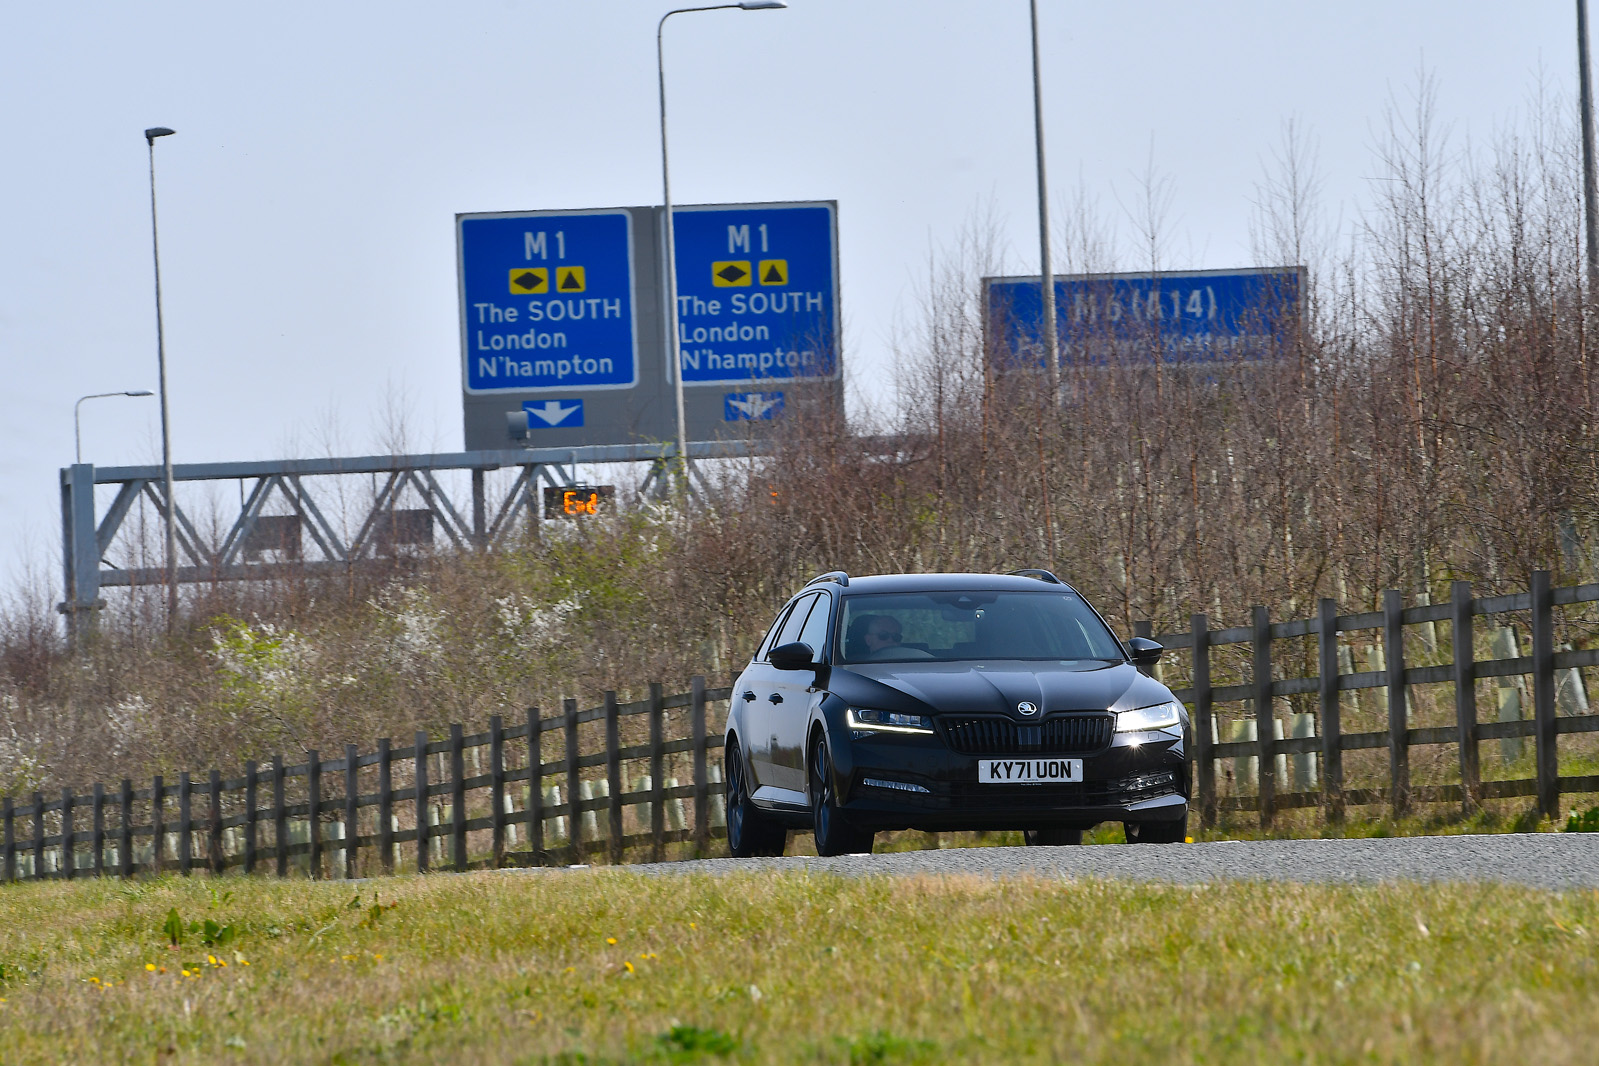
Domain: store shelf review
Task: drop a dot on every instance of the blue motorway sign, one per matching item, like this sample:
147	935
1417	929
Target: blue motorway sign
1195	316
757	293
547	301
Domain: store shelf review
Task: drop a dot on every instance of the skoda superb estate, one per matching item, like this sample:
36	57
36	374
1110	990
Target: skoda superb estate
945	702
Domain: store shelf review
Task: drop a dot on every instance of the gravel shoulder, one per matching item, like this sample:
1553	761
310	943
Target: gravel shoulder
1537	860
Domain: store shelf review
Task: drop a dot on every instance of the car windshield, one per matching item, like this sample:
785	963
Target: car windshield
950	626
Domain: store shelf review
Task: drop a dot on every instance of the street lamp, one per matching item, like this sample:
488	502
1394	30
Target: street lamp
1045	267
77	430
150	136
672	350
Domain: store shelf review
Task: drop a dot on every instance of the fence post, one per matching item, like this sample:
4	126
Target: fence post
69	858
125	844
457	798
657	768
1543	695
158	827
535	787
10	815
352	809
99	829
38	836
613	775
574	823
702	781
1332	750
1264	718
421	773
1204	720
313	776
280	818
1393	641
252	798
1465	673
214	844
497	790
185	824
386	805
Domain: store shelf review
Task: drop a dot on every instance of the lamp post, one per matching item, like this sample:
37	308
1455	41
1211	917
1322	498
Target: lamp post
1046	268
150	136
670	273
77	429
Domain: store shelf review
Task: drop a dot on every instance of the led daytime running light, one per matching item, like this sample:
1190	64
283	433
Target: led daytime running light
888	721
1161	716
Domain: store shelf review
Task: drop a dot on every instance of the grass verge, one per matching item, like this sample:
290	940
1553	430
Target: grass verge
606	966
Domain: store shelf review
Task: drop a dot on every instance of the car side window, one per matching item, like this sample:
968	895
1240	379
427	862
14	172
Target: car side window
789	632
814	632
771	636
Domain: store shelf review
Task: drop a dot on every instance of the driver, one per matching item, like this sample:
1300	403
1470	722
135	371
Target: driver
883	635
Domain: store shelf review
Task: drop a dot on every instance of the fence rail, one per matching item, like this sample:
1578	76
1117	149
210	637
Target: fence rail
1255	746
316	817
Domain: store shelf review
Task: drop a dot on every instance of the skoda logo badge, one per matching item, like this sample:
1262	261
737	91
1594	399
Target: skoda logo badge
1028	709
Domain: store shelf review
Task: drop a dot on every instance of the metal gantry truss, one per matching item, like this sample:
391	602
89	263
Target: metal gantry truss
408	507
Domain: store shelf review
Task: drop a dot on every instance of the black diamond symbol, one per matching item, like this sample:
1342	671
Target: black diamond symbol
528	280
570	281
731	272
773	276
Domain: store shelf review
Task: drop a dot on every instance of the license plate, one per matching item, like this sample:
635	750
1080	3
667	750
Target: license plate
1028	771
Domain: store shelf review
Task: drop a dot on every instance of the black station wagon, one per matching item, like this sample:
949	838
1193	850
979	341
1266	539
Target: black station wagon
945	702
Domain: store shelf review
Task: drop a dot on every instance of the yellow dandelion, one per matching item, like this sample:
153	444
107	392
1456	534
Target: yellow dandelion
610	940
244	962
349	958
222	962
571	969
149	967
185	973
629	966
212	959
691	925
94	980
378	957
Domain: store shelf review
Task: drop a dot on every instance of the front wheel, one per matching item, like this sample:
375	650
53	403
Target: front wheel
1172	832
1054	836
749	832
834	833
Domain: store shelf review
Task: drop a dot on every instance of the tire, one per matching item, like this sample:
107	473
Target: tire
1054	836
834	833
749	832
1172	832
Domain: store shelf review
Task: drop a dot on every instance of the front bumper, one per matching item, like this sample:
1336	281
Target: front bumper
916	782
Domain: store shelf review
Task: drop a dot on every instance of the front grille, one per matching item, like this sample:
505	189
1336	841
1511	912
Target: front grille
1062	734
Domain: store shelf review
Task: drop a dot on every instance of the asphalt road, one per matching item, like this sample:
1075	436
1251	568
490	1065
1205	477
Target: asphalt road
1538	860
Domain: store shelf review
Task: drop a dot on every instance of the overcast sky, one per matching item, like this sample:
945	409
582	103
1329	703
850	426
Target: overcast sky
323	150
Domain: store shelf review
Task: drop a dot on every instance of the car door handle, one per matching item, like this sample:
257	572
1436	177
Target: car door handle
774	698
749	695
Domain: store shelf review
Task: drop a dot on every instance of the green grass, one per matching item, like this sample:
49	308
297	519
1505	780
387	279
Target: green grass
607	966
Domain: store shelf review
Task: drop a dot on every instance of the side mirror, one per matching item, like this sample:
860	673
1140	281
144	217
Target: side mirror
1145	652
795	656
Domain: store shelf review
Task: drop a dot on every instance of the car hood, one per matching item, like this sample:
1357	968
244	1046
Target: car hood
996	687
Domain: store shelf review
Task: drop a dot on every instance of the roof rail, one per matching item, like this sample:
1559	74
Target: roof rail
1039	575
836	576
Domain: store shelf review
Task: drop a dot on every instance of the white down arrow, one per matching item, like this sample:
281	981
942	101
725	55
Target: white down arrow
551	413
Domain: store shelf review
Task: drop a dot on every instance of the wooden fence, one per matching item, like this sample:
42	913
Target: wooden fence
391	808
417	808
1418	696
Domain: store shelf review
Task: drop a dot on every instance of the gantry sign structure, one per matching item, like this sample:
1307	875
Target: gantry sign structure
254	520
564	340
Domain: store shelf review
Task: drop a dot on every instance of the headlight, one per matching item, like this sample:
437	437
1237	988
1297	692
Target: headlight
1160	716
888	721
